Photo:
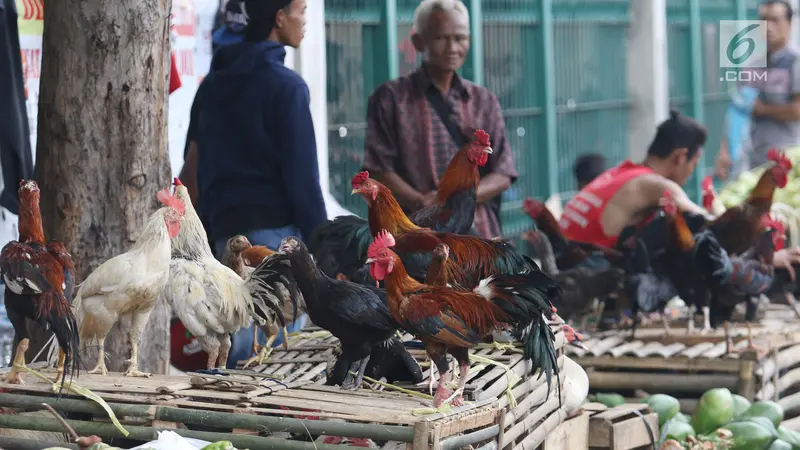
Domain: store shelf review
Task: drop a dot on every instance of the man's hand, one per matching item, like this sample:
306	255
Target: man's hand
722	165
758	108
88	441
785	258
429	198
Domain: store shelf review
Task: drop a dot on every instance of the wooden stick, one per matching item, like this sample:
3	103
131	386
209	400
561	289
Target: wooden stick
63	422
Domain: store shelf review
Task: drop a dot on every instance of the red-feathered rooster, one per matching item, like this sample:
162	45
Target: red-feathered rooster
473	258
340	245
39	280
738	227
450	321
568	254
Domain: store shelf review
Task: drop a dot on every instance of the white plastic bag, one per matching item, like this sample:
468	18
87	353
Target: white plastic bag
170	440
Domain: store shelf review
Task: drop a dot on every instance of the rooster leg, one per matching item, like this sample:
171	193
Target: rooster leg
263	355
793	303
665	321
355	374
462	357
100	368
706	320
256	347
690	323
60	366
15	376
138	322
224	349
431	376
728	342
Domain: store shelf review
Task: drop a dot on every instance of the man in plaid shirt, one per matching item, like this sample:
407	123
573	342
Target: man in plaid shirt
410	141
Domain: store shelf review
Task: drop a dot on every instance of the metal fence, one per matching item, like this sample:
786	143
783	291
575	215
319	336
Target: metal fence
558	68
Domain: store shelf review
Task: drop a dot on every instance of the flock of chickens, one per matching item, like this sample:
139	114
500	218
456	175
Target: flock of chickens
365	279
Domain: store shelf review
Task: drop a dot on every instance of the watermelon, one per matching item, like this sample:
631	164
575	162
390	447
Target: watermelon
678	430
740	405
790	436
764	422
665	406
780	445
714	409
768	409
611	400
681	417
749	436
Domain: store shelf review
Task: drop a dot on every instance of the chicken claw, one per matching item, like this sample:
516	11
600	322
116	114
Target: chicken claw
99	369
15	376
134	372
263	355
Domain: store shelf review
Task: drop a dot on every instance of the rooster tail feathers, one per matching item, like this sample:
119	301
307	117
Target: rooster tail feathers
538	348
65	329
266	285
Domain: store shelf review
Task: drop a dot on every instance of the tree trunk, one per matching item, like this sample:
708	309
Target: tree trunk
102	147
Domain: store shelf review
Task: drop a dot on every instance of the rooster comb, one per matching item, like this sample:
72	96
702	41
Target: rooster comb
708	183
384	239
177	182
170	200
481	138
359	178
780	159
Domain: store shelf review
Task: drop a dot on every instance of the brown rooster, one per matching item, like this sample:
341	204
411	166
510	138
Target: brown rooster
453	210
450	321
39	280
340	245
473	258
738	227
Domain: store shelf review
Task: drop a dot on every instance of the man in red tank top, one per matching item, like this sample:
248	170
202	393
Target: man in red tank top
622	195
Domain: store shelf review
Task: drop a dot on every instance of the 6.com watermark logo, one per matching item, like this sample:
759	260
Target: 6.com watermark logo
743	50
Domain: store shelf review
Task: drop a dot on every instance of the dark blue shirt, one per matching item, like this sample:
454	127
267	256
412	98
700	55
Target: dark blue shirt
257	154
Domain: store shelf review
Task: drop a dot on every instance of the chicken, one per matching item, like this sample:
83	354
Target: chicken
473	258
129	284
450	321
255	254
710	201
580	286
453	210
210	299
39	278
357	315
568	253
233	256
437	271
737	228
340	245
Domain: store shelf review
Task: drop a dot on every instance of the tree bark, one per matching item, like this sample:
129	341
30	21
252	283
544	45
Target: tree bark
102	147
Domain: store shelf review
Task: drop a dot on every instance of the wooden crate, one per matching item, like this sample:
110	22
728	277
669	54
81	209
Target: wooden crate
528	423
572	434
625	427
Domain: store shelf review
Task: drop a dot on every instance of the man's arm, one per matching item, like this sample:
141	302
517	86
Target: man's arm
492	185
501	161
789	112
656	186
380	148
298	147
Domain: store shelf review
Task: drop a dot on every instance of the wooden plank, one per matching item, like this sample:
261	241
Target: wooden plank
674	363
572	434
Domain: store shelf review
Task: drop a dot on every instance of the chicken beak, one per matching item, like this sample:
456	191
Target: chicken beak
370	260
354	192
488	150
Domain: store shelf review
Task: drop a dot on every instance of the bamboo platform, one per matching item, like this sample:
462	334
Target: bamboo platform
241	407
526	425
685	366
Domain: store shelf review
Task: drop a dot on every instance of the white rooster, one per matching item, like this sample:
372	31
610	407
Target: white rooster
129	284
210	299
